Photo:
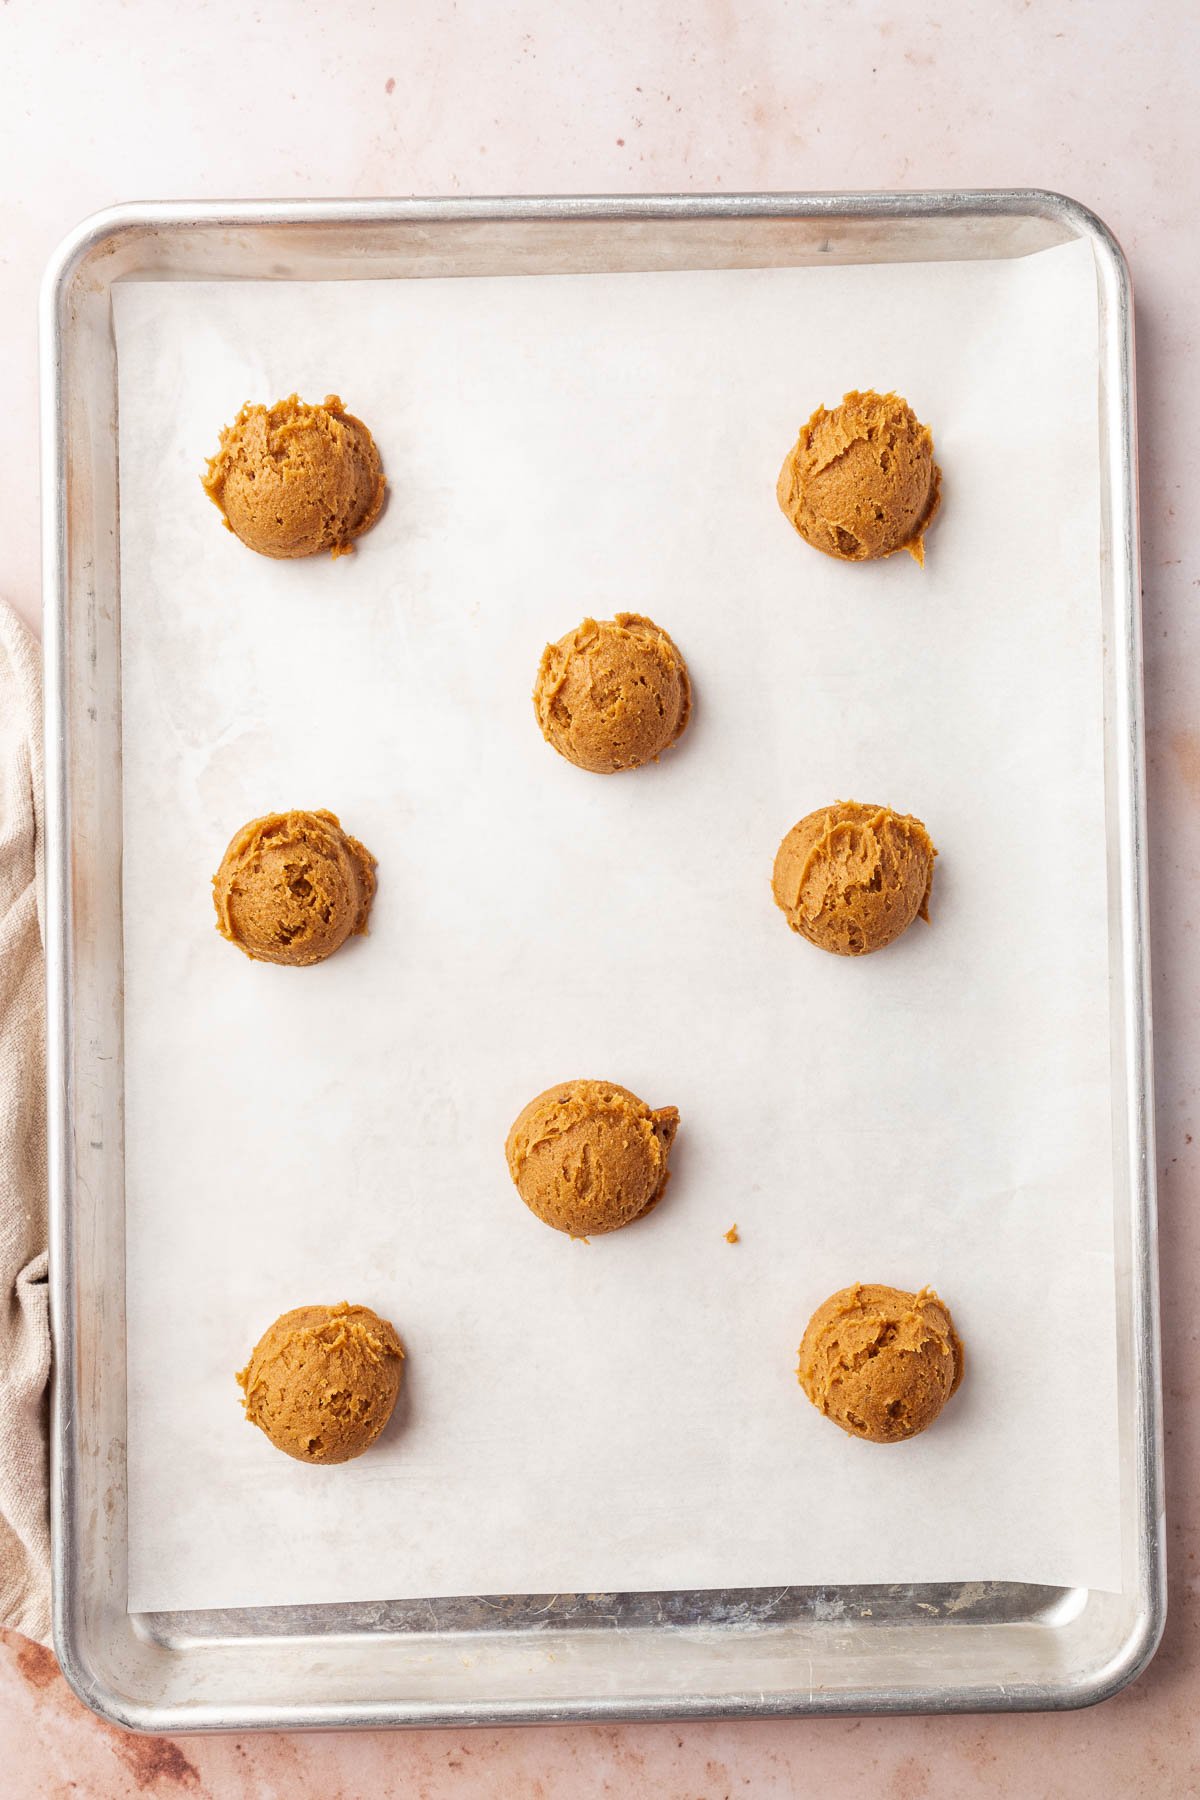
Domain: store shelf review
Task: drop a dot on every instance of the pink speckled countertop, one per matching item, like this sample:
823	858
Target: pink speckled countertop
106	100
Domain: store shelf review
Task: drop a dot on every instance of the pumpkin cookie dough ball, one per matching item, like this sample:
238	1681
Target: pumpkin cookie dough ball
589	1156
612	694
851	878
879	1362
322	1381
860	481
292	887
294	479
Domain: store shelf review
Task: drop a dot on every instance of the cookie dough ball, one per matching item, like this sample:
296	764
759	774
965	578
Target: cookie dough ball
589	1156
613	694
294	479
292	887
322	1381
879	1362
851	878
860	481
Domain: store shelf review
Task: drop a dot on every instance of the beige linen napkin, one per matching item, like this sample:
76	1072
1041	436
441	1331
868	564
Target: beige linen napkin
24	1314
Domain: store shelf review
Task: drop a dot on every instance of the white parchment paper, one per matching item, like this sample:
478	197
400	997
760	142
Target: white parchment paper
623	1415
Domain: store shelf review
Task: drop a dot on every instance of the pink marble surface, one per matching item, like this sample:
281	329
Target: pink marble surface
105	100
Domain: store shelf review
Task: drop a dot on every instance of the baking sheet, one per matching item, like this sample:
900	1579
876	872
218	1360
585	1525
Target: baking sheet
622	1415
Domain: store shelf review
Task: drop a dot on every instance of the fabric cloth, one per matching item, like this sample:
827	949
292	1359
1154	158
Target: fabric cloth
24	1307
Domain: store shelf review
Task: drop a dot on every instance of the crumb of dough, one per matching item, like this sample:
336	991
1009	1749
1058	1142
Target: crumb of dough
731	1236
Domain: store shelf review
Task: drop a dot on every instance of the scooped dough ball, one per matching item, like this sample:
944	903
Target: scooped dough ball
860	481
292	887
851	878
293	479
589	1156
322	1381
879	1362
613	694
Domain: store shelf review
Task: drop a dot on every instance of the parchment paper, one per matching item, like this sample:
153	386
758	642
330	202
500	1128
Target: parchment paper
623	1415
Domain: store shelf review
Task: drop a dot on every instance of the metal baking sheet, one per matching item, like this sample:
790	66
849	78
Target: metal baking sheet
751	1651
